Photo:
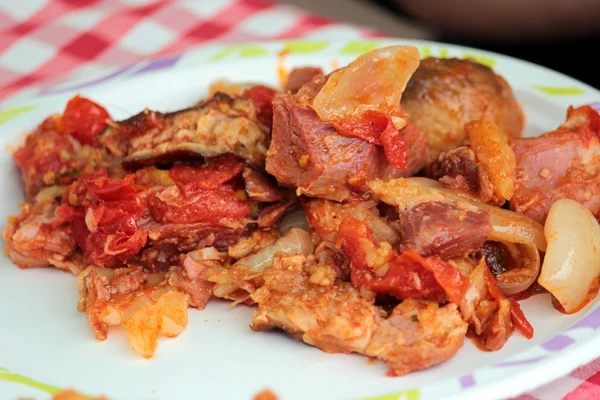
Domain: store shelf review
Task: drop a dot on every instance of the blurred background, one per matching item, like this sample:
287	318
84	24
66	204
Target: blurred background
558	34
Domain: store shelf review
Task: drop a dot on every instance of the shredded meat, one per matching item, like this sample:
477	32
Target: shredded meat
564	163
333	317
443	230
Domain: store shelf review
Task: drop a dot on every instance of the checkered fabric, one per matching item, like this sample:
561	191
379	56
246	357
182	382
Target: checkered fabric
43	42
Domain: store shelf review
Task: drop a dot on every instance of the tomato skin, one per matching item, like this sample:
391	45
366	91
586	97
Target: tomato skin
369	126
104	214
262	97
83	119
394	145
377	128
410	276
216	172
211	206
516	314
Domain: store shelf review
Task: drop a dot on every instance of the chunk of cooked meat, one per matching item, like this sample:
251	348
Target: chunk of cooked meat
261	187
444	94
145	305
331	315
40	237
443	230
561	164
459	170
310	154
220	125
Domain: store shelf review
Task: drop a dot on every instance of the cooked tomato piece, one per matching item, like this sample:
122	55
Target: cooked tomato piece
394	145
262	97
352	235
212	175
368	126
210	206
83	119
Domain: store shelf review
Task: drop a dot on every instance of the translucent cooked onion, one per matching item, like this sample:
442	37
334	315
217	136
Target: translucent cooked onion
520	278
293	219
572	264
374	81
296	241
507	226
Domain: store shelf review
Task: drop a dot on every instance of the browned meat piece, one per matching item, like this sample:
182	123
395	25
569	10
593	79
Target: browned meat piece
444	94
220	125
458	169
564	163
261	187
271	215
300	76
310	155
306	300
436	229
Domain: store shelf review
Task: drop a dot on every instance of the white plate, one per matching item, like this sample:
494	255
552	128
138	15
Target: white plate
44	339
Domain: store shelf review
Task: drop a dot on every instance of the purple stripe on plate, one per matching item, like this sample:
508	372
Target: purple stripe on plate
590	321
78	86
467	381
520	362
161	63
558	342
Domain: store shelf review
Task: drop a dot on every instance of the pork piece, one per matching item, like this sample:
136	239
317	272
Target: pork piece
309	154
146	306
221	124
444	94
260	186
298	77
418	335
561	164
308	303
443	230
40	237
459	170
325	217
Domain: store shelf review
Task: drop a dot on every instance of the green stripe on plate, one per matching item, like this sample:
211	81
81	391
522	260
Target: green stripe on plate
6	375
306	46
559	90
411	394
359	47
12	113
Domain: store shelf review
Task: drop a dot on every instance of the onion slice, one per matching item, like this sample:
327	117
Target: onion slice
518	279
572	264
507	226
374	81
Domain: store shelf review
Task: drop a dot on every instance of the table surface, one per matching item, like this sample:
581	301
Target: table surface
46	41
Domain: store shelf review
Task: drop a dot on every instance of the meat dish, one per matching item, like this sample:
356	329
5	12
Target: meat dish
389	208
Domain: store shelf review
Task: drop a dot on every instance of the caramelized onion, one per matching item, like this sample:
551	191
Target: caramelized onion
572	264
507	226
518	279
374	81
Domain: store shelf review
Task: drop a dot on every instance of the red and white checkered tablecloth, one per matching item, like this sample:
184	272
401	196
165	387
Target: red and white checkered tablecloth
47	41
